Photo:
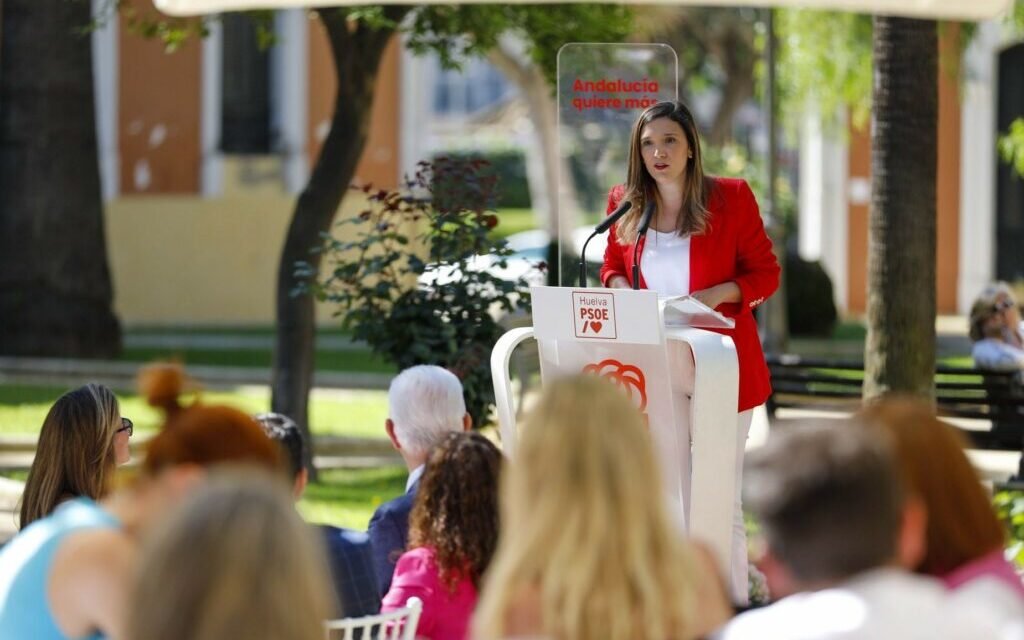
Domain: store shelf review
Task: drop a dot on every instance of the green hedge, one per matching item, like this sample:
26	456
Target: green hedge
810	304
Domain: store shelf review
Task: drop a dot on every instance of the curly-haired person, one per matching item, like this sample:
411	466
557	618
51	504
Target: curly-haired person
453	532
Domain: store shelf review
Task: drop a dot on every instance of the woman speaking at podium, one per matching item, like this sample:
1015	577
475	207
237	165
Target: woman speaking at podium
706	239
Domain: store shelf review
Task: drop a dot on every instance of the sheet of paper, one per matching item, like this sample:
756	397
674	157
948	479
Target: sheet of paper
684	311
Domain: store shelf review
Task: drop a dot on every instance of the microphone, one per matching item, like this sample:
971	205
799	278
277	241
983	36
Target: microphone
605	224
600	228
645	223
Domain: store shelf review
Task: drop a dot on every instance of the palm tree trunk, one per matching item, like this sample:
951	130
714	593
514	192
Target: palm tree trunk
56	297
900	348
357	52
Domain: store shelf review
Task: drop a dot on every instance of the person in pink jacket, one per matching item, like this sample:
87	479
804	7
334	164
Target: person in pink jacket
453	531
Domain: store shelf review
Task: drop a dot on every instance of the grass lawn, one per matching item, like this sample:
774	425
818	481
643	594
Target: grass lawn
342	497
356	360
332	412
513	221
348	497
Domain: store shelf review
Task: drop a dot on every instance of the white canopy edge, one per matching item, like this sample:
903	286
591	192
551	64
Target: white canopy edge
969	10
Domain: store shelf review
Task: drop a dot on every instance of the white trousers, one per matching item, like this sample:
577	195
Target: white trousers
738	578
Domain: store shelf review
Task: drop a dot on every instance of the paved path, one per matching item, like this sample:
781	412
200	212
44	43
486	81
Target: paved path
215	341
10	494
992	466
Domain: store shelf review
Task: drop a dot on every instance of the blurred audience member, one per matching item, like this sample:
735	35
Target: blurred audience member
452	535
82	441
965	538
588	549
425	404
234	561
70	574
348	552
839	533
997	330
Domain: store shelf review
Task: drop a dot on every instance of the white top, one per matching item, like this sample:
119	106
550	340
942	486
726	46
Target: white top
414	475
997	354
877	605
665	263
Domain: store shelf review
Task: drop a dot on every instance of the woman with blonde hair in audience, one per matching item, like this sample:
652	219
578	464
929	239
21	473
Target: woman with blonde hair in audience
587	548
69	575
82	441
965	539
234	561
996	329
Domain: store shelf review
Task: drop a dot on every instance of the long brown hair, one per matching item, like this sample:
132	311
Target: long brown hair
962	525
456	509
75	453
641	187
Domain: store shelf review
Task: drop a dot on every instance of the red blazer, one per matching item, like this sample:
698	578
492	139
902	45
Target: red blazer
736	248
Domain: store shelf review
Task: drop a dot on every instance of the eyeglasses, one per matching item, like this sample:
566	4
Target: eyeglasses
1002	305
126	425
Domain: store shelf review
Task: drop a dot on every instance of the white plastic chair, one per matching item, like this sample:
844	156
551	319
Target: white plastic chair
399	624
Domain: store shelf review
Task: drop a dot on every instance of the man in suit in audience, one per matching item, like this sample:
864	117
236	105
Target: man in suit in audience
840	534
425	403
348	552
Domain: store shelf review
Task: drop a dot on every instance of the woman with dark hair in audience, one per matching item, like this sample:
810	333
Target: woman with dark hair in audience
234	561
453	530
82	441
70	574
965	540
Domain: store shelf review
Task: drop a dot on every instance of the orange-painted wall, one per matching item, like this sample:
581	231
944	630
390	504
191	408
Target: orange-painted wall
947	190
158	113
379	164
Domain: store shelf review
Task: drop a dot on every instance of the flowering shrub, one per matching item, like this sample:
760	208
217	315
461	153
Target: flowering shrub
437	226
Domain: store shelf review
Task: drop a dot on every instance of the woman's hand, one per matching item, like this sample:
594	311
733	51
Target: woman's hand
618	282
719	294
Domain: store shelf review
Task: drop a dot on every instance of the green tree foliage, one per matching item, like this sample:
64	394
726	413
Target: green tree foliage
1011	146
826	56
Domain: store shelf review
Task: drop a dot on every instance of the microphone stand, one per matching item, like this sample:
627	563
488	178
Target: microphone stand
603	226
645	224
583	260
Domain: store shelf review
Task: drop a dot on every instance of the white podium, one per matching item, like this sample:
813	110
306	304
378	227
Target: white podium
683	378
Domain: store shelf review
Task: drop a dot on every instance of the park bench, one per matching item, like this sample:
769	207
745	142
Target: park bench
960	392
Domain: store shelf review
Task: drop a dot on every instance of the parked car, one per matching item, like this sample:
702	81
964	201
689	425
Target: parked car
528	259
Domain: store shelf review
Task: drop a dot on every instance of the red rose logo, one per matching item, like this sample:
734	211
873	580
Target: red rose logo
625	376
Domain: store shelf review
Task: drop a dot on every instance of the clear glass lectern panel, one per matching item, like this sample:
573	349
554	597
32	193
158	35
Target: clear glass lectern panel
602	89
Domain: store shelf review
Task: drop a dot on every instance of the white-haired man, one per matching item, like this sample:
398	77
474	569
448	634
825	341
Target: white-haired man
425	403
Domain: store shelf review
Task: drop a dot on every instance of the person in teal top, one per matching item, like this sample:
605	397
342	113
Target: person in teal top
71	574
27	561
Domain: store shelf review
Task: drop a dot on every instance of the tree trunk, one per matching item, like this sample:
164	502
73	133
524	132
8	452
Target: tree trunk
55	291
900	349
357	52
558	208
